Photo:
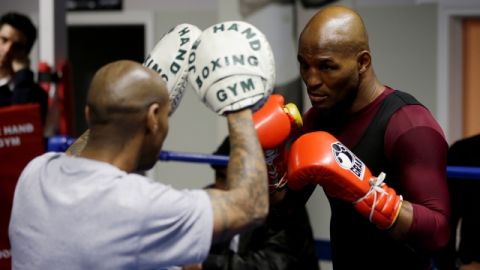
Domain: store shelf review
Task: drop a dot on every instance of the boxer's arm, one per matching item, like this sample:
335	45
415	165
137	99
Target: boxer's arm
404	221
420	156
417	150
79	144
247	197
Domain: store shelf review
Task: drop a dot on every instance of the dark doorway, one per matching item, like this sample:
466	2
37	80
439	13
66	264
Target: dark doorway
92	46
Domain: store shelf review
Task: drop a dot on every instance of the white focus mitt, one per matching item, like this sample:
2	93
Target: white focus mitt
169	58
232	66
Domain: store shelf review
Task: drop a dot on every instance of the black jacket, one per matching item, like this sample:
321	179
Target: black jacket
285	241
25	90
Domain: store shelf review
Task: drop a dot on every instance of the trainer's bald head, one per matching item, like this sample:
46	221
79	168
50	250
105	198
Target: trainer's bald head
335	28
123	89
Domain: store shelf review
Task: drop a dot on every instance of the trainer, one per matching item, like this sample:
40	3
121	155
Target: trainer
91	211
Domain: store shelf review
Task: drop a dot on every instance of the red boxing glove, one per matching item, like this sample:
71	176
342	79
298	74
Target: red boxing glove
319	158
276	123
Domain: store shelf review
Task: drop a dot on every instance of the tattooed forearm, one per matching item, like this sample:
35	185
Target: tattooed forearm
222	215
245	203
77	147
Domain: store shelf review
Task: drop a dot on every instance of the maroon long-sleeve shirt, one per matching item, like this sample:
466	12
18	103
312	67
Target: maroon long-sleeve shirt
416	149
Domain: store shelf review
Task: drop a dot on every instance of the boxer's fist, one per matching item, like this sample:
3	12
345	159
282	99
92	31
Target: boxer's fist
276	124
231	66
319	158
169	58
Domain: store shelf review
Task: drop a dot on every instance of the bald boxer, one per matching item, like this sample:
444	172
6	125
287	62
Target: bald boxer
90	211
390	131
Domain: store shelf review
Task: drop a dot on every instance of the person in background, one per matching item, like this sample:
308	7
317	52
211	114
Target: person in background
465	205
17	83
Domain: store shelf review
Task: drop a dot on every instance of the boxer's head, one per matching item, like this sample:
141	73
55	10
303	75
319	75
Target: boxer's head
334	57
127	104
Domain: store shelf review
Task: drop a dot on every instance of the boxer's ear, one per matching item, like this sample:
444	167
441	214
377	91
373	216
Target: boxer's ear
364	60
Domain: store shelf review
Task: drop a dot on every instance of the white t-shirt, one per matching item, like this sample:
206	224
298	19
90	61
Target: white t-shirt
76	213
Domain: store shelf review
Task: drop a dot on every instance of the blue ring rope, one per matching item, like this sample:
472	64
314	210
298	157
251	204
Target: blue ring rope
61	143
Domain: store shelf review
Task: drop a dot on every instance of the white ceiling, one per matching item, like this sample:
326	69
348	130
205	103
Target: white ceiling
31	6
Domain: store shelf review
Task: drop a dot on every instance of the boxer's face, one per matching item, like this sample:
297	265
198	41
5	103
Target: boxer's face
331	76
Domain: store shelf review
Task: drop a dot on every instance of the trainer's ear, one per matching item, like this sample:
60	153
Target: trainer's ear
87	114
152	117
364	60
